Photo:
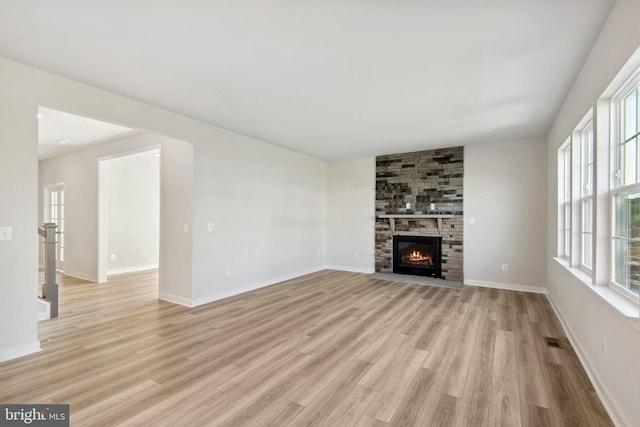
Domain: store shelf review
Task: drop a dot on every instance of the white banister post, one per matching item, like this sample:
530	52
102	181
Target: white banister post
50	285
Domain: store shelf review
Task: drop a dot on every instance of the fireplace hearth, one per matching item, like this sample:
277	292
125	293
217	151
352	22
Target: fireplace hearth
417	255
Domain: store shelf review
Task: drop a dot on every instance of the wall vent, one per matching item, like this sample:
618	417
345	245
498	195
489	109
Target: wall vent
552	342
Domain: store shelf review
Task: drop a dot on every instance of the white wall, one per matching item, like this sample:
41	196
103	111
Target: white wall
133	212
18	210
176	210
586	316
351	214
247	188
505	186
268	208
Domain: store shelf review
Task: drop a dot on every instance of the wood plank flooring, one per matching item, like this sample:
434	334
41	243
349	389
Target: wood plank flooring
331	348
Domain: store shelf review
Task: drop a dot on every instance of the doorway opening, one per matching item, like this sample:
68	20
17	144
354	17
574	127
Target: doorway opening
82	153
129	212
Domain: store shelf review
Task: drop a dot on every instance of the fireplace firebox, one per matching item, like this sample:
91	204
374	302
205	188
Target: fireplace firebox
418	255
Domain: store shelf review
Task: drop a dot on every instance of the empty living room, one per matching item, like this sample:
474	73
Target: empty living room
276	213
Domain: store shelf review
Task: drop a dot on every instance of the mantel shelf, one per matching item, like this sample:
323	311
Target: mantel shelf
438	217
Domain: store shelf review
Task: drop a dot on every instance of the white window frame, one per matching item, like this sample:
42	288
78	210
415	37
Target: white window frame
617	131
619	186
565	199
587	185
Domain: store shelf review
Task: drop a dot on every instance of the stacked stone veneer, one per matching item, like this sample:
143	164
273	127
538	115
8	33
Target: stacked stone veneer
421	178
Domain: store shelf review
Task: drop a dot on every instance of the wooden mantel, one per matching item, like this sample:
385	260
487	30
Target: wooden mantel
393	217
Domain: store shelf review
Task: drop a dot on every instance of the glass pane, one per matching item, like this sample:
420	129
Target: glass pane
630	115
587	214
629	154
634	267
627	266
586	249
620	257
633	206
61	211
627	215
567	242
54	198
587	162
567	174
61	197
634	141
627	254
61	256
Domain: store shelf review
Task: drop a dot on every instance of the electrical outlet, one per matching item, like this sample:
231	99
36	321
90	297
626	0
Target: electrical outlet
210	226
505	267
604	345
113	257
228	272
186	228
5	233
357	254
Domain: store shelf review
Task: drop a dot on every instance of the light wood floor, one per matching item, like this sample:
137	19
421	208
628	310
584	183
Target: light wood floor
331	348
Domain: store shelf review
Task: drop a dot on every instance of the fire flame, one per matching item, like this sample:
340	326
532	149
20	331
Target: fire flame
416	256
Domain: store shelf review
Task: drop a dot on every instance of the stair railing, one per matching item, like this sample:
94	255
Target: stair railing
50	288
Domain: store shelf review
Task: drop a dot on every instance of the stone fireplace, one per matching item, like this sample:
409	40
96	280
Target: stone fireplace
420	195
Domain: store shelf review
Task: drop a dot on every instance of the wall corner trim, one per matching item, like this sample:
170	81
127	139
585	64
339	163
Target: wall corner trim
506	286
613	409
15	352
175	299
81	276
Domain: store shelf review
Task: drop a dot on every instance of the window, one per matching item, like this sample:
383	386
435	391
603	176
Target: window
626	197
627	138
586	196
55	214
626	241
564	175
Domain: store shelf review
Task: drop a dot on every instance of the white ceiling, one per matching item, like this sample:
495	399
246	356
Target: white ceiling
60	133
332	79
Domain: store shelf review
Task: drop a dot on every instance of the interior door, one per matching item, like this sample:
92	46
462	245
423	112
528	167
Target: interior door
55	214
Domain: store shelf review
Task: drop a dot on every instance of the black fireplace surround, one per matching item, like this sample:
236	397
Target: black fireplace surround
418	255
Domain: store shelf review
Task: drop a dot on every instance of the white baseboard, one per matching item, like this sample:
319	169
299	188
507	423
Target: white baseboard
351	269
12	353
131	269
81	276
252	287
613	409
506	286
175	299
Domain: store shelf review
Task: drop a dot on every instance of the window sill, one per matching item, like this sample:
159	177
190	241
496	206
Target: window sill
622	305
